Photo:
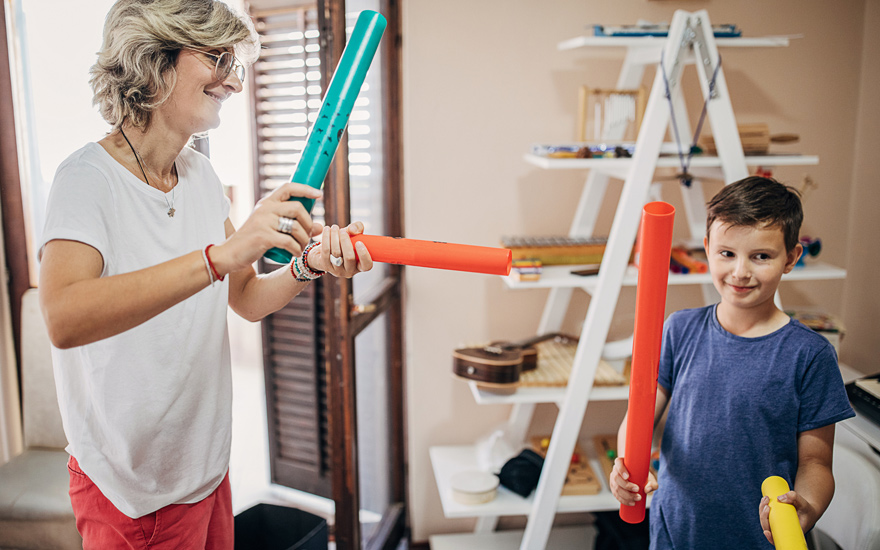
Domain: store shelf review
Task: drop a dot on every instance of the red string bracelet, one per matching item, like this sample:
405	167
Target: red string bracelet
210	263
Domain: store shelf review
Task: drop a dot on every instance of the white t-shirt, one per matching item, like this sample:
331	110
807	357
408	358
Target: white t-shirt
148	412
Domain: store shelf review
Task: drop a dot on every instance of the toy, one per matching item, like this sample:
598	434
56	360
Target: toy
812	248
684	258
655	244
784	523
335	110
440	255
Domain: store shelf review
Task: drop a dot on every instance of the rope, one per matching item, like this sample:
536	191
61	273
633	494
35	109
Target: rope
685	176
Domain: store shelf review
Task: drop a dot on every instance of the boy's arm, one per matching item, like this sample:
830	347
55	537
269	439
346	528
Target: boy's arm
623	490
659	407
814	482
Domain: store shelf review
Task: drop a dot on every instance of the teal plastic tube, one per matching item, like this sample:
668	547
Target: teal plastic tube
335	110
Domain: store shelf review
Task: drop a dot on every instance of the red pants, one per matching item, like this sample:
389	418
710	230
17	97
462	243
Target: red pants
206	524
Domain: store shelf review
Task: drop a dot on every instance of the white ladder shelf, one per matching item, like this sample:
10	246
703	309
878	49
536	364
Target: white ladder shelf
690	40
690	37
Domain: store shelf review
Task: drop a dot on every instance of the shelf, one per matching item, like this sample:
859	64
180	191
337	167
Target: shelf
449	460
545	395
615	165
659	41
559	276
561	538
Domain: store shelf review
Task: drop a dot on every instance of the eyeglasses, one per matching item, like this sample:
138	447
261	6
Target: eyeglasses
224	64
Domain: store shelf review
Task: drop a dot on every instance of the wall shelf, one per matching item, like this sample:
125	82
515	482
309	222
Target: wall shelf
545	395
449	460
559	276
657	42
666	161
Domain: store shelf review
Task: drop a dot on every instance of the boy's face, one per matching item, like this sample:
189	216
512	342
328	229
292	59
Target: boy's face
747	262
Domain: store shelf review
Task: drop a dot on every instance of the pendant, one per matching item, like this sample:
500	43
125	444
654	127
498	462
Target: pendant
171	212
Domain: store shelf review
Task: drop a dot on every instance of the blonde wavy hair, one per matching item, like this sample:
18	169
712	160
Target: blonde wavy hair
136	68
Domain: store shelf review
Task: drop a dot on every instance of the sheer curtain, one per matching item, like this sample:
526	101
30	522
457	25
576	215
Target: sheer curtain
47	130
10	409
10	405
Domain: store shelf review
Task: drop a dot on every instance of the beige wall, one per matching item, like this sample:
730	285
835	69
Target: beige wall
861	302
483	80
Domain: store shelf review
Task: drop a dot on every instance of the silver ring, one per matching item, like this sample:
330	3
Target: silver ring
337	261
285	225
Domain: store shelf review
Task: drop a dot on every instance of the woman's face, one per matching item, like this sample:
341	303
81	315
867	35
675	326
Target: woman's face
194	105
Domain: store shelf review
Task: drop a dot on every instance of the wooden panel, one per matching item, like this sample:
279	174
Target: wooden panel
296	393
293	338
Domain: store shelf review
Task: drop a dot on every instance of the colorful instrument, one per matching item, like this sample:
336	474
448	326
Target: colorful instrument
557	250
683	258
784	522
335	110
655	243
435	254
498	362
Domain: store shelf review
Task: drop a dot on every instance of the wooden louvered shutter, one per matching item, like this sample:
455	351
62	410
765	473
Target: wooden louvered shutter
286	92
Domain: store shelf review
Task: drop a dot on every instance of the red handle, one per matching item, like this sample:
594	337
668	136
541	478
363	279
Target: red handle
439	255
655	242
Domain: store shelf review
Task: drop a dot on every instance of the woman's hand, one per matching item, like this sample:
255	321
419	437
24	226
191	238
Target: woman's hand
336	242
626	492
260	231
800	504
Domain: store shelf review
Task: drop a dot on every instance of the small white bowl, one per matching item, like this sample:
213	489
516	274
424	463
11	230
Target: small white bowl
472	487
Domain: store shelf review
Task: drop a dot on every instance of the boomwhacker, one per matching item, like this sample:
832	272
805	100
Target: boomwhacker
784	523
438	255
321	146
654	245
323	139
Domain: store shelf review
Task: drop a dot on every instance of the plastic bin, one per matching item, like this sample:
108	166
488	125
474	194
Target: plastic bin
271	527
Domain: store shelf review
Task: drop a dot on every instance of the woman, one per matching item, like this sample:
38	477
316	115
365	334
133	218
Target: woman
134	289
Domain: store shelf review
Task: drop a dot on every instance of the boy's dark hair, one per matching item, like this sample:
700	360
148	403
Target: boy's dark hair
759	201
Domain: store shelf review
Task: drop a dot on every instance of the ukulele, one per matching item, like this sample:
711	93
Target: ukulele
498	362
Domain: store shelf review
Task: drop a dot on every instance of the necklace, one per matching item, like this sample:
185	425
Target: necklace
137	158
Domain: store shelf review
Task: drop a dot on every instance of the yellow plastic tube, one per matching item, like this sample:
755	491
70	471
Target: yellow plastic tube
784	523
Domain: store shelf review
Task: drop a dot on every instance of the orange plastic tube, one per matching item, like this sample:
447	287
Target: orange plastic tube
681	256
438	255
655	242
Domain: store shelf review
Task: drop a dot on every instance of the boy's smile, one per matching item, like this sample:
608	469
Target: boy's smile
747	262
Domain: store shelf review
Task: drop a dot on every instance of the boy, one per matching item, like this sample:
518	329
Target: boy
751	393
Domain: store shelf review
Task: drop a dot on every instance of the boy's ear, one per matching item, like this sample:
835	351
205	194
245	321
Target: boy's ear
706	243
792	257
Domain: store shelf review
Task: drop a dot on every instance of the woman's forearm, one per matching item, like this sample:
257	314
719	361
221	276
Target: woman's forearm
81	310
255	296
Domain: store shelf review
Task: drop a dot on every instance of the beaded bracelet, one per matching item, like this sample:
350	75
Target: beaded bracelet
305	261
300	269
211	264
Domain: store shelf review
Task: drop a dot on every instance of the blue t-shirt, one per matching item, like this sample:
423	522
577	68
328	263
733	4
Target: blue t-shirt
736	406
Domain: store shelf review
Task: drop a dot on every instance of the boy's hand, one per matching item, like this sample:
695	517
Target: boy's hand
800	505
625	491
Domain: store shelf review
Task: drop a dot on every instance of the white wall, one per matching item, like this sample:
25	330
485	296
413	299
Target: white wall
484	80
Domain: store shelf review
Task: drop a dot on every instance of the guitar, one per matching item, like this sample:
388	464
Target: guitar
498	362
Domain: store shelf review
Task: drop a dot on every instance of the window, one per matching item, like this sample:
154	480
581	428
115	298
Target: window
324	435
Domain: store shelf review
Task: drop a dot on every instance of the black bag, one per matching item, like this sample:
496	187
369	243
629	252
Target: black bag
520	474
615	534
